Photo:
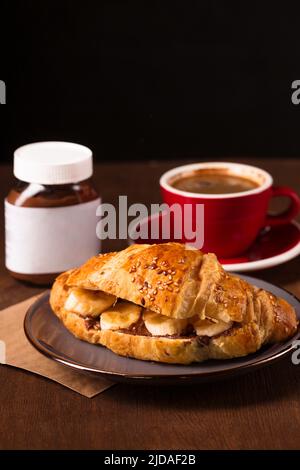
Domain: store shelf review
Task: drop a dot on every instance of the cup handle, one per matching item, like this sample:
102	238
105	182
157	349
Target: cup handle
286	216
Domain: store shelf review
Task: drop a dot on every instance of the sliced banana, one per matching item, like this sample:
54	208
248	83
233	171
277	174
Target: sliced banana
210	328
122	316
160	325
87	302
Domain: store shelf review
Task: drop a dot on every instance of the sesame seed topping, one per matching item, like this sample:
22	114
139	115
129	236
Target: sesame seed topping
158	282
173	272
160	271
165	273
160	287
170	288
212	320
170	277
154	292
169	282
176	283
177	290
133	279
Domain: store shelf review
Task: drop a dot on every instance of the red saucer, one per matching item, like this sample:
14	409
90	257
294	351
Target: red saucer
273	246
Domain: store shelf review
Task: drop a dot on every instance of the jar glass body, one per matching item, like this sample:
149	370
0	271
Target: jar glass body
49	197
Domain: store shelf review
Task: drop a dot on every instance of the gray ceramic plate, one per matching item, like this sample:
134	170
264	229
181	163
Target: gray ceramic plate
51	338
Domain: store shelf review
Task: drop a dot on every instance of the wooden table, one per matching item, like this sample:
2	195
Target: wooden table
259	410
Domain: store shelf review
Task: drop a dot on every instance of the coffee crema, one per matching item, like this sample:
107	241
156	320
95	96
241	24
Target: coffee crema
213	181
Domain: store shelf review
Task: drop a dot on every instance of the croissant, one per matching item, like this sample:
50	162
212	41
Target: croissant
168	303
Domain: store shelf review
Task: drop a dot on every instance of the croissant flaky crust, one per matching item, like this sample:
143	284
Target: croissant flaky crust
180	306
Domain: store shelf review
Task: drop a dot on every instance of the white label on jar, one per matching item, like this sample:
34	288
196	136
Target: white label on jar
50	239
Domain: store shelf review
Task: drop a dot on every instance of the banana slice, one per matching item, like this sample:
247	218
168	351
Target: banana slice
87	302
122	316
160	325
210	328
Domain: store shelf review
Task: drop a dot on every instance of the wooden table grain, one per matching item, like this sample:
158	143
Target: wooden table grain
260	410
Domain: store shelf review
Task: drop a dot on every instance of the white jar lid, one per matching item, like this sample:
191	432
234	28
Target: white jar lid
53	163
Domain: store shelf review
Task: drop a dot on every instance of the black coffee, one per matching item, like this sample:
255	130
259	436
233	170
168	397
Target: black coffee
213	182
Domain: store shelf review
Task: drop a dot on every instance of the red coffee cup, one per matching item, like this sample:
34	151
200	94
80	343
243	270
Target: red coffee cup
232	221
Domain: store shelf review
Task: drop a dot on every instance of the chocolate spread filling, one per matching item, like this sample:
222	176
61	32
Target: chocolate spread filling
139	328
92	323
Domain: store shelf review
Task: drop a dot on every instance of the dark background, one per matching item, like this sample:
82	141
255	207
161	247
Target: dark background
152	80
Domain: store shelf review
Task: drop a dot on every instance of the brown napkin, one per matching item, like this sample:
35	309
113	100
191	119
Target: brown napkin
15	350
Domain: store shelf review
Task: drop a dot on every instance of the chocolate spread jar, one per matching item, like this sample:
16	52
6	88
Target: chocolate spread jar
50	213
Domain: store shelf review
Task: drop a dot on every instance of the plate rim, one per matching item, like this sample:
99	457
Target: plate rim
161	377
